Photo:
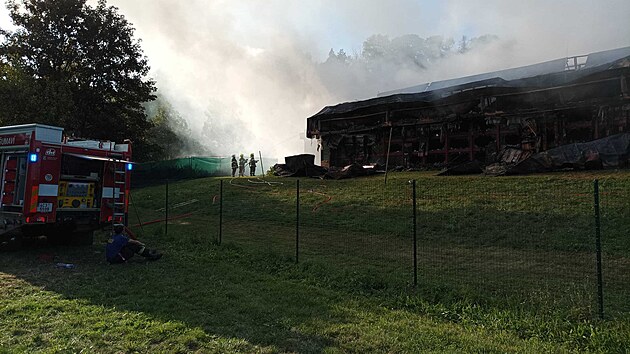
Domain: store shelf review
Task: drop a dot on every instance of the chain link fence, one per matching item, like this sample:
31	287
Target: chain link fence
260	216
508	243
614	200
363	230
500	242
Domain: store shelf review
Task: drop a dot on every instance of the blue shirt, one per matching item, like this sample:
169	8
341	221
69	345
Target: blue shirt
115	244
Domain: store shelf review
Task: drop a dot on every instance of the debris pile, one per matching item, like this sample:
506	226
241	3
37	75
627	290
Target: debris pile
304	166
299	166
609	152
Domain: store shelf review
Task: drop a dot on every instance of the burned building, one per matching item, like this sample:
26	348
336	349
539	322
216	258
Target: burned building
509	114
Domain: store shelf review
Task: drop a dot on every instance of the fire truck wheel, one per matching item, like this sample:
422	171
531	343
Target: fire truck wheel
83	238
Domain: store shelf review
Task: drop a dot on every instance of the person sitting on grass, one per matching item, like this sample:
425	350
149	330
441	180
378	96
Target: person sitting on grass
120	248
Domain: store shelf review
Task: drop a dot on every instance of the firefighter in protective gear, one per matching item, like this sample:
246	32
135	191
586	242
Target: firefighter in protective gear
234	165
241	166
252	165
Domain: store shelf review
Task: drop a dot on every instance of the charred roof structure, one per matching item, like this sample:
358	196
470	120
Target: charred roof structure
506	115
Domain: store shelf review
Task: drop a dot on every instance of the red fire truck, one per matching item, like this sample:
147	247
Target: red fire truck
61	188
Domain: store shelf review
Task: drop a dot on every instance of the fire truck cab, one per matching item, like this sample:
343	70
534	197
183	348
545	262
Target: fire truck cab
61	188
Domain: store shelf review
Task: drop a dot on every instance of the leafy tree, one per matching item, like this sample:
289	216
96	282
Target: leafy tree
86	57
376	47
24	96
169	137
342	56
438	47
464	45
166	142
481	41
331	55
338	58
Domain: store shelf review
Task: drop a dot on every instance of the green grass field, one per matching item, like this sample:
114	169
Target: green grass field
504	265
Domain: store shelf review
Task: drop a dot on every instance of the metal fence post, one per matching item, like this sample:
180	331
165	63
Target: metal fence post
297	222
220	213
415	238
166	210
598	251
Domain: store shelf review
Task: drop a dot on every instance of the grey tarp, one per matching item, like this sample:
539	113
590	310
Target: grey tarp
609	152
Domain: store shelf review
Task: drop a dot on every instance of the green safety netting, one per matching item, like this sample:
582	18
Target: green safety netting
188	167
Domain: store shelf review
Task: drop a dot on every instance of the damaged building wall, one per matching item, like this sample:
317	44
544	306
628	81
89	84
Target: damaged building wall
481	121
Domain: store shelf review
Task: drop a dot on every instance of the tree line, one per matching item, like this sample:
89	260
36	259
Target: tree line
408	50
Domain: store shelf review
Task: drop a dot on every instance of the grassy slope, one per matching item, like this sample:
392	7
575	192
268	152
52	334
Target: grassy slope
238	297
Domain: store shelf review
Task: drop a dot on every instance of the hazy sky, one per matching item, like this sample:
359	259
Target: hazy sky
252	64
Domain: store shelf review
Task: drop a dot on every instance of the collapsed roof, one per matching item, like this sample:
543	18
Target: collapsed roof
526	79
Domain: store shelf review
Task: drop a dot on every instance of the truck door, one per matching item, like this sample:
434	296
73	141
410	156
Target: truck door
13	181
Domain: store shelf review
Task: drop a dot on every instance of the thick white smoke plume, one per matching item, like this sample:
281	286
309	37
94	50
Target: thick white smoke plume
246	74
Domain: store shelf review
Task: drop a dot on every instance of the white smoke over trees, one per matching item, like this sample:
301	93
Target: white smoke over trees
169	136
386	64
246	74
383	63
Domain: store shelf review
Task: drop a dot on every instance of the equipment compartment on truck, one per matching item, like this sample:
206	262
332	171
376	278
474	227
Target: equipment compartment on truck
59	188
